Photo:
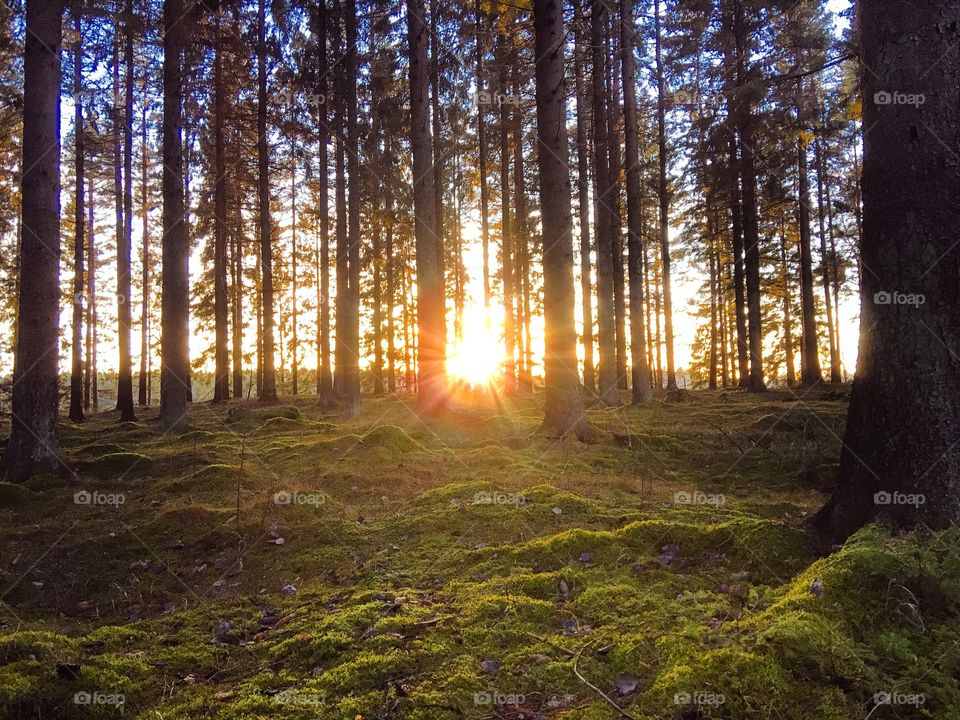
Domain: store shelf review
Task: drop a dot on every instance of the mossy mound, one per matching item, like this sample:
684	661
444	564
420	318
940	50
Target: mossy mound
392	438
112	465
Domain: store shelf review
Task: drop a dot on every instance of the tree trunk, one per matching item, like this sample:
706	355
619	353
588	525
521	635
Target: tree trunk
563	407
712	372
616	211
90	385
175	298
268	388
80	220
352	386
506	252
294	300
639	370
237	287
739	297
391	302
431	335
603	223
143	381
835	376
583	202
522	242
325	395
787	319
900	459
663	192
124	248
33	438
809	354
221	372
482	102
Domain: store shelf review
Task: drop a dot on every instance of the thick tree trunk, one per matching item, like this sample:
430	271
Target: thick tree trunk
583	203
268	388
175	298
603	214
809	353
221	372
33	438
80	220
563	408
900	458
639	370
616	210
431	333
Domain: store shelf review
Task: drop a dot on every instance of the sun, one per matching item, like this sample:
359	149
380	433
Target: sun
479	359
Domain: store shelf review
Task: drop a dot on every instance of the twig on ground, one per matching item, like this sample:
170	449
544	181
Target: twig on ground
598	691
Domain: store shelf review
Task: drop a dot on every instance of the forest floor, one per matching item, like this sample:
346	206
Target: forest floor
278	562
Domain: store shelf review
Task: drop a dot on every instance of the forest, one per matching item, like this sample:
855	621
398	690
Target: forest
433	359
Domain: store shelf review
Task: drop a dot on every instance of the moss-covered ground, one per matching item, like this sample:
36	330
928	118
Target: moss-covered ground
279	562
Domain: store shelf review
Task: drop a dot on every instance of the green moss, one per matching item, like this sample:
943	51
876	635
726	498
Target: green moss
120	463
392	438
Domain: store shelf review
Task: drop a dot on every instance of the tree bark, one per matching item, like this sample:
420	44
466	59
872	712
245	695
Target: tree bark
268	388
431	333
563	407
639	369
663	192
125	247
352	376
583	202
835	376
80	220
506	251
900	460
175	298
34	438
809	353
221	372
143	381
603	223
